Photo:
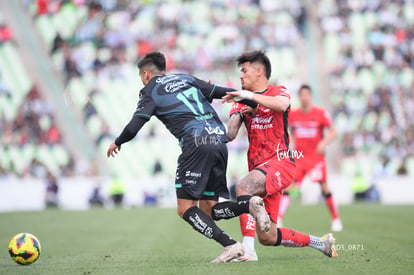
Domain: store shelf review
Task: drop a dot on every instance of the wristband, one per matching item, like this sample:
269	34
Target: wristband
244	95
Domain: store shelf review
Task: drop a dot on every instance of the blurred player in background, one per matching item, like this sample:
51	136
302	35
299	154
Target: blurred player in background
271	166
182	103
307	124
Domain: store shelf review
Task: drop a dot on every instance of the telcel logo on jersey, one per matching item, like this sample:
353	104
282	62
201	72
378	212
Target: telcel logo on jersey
285	154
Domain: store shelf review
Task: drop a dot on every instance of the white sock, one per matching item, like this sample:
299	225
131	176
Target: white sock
316	242
248	244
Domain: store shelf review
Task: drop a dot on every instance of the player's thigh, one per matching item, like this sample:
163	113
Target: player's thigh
272	203
217	180
279	175
253	184
194	172
318	171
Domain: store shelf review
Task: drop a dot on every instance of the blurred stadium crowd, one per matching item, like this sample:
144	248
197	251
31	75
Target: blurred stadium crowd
369	58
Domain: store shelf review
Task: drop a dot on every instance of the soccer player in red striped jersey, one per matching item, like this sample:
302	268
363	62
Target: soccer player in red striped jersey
307	124
271	166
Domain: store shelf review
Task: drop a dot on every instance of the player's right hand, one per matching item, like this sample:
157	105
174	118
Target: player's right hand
113	150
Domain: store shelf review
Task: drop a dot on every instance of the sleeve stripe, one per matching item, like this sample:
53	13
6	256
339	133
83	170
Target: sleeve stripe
142	115
212	91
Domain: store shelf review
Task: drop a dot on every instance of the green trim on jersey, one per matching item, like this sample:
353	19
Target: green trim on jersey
144	115
178	185
212	91
207	193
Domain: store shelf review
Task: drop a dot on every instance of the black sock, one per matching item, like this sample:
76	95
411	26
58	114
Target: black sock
202	223
230	209
327	195
279	237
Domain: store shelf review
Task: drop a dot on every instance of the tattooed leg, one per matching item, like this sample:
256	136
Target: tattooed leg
252	185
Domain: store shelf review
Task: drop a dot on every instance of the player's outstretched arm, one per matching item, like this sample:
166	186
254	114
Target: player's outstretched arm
326	140
129	132
276	103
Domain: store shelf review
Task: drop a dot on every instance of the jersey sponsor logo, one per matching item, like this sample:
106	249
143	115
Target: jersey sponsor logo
262	120
262	123
205	140
210	130
192	182
286	154
175	86
303	132
189	173
279	179
167	78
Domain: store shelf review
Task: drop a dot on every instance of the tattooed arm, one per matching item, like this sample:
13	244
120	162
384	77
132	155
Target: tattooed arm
233	126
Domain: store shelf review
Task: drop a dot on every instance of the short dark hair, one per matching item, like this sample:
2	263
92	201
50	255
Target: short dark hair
153	61
256	57
305	86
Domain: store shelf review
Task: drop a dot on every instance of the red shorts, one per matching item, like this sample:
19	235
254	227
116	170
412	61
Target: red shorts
314	167
279	175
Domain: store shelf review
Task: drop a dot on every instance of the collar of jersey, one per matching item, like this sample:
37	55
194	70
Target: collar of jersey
261	92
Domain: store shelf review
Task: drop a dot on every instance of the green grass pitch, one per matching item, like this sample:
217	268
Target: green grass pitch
377	240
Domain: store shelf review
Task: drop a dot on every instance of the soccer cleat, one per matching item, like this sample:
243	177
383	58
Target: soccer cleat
329	242
230	252
258	211
248	257
336	225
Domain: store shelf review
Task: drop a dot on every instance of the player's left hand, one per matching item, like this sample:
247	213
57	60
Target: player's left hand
113	150
248	110
320	148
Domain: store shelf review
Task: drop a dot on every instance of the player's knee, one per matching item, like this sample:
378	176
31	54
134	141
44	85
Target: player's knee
181	211
240	188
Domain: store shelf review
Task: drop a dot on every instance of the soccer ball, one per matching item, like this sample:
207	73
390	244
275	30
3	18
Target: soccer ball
24	248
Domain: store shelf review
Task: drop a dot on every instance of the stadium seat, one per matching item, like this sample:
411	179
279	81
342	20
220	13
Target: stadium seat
60	154
46	29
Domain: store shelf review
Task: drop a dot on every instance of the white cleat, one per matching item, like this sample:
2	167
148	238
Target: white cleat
258	211
248	257
230	252
329	242
336	225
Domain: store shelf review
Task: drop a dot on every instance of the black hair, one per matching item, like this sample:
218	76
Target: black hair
153	61
256	57
305	86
